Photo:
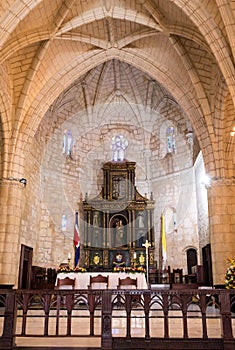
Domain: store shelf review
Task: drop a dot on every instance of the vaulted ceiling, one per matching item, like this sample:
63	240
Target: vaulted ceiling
186	48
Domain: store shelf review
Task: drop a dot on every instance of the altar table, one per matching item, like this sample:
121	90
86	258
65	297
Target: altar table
82	279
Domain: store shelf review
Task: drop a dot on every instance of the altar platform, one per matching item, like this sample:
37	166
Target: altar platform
82	279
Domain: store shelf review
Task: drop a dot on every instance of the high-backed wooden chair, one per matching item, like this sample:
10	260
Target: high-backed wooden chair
98	281
164	276
152	275
177	276
65	283
127	282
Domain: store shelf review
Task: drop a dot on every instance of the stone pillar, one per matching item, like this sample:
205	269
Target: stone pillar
221	201
11	203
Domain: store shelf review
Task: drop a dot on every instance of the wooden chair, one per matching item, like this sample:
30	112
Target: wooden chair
152	275
51	275
97	280
65	283
165	276
95	283
177	276
127	282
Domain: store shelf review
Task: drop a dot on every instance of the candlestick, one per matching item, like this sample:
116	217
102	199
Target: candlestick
69	259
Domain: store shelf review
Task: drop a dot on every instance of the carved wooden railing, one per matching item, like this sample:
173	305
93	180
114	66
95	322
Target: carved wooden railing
20	310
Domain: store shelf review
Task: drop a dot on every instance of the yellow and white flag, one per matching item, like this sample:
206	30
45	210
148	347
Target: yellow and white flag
164	256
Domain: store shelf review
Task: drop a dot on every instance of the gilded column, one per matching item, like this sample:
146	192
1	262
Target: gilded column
106	230
89	229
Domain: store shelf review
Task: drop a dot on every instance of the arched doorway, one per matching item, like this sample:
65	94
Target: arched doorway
191	259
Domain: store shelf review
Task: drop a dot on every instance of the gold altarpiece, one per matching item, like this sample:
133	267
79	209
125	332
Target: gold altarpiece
117	222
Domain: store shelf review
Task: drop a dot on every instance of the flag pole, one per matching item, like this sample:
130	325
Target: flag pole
163	236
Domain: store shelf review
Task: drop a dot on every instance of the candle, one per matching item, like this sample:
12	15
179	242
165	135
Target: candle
69	256
134	255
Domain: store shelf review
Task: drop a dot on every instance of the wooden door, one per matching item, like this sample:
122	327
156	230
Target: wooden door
191	259
207	264
26	257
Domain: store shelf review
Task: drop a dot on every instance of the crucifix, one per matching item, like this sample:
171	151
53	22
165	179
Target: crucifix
147	245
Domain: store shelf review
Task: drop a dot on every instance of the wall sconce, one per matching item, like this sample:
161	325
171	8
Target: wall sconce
189	138
230	141
23	181
232	133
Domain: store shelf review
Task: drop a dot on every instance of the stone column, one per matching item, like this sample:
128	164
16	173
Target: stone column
12	194
221	201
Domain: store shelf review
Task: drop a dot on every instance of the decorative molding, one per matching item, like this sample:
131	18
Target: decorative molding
230	181
13	182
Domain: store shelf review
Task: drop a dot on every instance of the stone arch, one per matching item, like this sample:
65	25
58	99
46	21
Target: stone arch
205	23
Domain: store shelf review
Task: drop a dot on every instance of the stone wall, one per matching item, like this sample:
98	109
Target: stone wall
58	182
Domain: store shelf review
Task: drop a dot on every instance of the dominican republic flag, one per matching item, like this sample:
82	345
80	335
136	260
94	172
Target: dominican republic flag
76	240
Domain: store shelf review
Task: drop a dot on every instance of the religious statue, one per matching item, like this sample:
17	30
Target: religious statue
119	233
96	219
119	261
96	259
96	237
140	220
119	187
142	259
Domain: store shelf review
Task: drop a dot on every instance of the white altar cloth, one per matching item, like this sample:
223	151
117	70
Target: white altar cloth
82	279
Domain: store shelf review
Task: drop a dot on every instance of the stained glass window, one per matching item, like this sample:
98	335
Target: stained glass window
119	145
67	142
170	133
64	222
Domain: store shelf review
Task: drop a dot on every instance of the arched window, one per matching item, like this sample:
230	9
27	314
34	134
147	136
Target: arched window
67	142
171	219
64	222
170	135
